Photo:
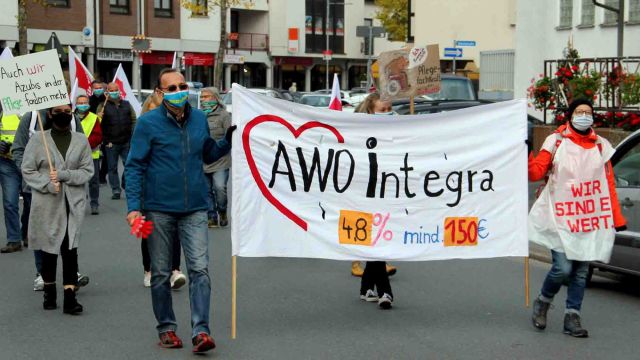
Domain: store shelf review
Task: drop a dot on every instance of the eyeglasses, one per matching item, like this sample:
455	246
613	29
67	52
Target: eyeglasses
55	112
583	113
173	88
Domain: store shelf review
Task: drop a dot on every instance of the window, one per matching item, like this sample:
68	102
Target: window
566	13
119	7
588	13
199	8
162	8
318	27
634	11
58	3
610	18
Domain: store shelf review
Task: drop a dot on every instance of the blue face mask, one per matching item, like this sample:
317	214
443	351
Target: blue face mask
115	95
82	108
177	99
98	92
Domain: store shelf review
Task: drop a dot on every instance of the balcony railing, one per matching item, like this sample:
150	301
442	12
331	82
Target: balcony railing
248	41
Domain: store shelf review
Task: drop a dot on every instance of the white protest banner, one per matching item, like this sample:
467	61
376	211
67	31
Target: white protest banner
409	72
32	82
325	184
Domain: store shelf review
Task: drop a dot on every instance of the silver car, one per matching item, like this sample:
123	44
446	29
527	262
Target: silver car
625	258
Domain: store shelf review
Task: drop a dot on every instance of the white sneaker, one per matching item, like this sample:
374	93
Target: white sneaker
147	279
177	279
370	296
38	283
385	301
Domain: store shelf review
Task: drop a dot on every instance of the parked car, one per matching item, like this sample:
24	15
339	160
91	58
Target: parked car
323	101
227	100
344	94
625	257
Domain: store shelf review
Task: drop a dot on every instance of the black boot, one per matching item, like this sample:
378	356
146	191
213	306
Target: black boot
49	297
71	305
572	326
539	317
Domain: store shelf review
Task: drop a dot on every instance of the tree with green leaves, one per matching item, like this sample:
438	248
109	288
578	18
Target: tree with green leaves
204	8
22	23
394	15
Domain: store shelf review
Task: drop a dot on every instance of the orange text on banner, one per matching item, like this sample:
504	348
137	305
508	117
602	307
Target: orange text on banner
461	231
354	227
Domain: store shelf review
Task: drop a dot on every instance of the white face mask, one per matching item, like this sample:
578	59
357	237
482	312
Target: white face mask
384	113
582	122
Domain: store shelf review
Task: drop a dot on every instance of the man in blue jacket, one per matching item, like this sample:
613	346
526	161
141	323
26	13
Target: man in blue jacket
166	185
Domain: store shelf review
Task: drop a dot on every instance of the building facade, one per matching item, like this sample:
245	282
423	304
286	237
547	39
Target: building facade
271	43
546	26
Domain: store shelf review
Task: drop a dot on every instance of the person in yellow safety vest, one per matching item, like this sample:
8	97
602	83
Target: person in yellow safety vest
91	127
11	182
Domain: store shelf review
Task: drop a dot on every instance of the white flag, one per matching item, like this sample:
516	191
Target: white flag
79	72
174	64
6	54
126	92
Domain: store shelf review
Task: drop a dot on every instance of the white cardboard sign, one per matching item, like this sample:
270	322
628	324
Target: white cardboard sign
32	82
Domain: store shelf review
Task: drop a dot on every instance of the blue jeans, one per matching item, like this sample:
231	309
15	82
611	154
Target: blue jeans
217	192
575	271
192	231
113	153
94	184
11	183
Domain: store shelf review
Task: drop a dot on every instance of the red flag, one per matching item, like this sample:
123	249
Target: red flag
78	71
125	89
336	101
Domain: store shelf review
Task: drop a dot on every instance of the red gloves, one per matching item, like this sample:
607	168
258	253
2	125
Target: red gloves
141	228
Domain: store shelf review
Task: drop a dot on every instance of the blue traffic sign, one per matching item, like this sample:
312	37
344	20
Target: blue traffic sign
465	43
453	52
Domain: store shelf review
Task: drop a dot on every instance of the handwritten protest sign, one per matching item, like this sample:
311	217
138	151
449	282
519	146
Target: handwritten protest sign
32	82
338	185
409	72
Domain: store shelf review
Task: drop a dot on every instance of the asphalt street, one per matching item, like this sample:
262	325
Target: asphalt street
307	309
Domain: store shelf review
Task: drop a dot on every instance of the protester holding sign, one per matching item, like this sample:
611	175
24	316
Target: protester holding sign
59	201
166	183
91	128
27	129
577	212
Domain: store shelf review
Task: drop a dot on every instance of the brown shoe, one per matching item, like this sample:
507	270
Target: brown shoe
224	221
11	247
391	270
356	269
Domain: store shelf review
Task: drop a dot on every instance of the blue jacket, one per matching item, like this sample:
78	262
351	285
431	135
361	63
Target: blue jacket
164	170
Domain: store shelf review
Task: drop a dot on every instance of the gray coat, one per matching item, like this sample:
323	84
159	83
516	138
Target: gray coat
48	220
219	121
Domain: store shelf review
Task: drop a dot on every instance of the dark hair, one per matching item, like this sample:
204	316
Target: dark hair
96	82
577	102
81	95
165	71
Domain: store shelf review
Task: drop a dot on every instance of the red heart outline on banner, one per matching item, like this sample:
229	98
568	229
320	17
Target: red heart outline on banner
252	164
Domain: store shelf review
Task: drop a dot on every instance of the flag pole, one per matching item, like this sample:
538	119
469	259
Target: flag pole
234	267
526	281
412	108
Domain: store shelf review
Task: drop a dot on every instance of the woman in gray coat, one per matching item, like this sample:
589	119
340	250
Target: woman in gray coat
217	173
59	202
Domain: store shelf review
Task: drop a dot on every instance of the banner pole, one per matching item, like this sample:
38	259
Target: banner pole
526	281
44	140
412	108
234	267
